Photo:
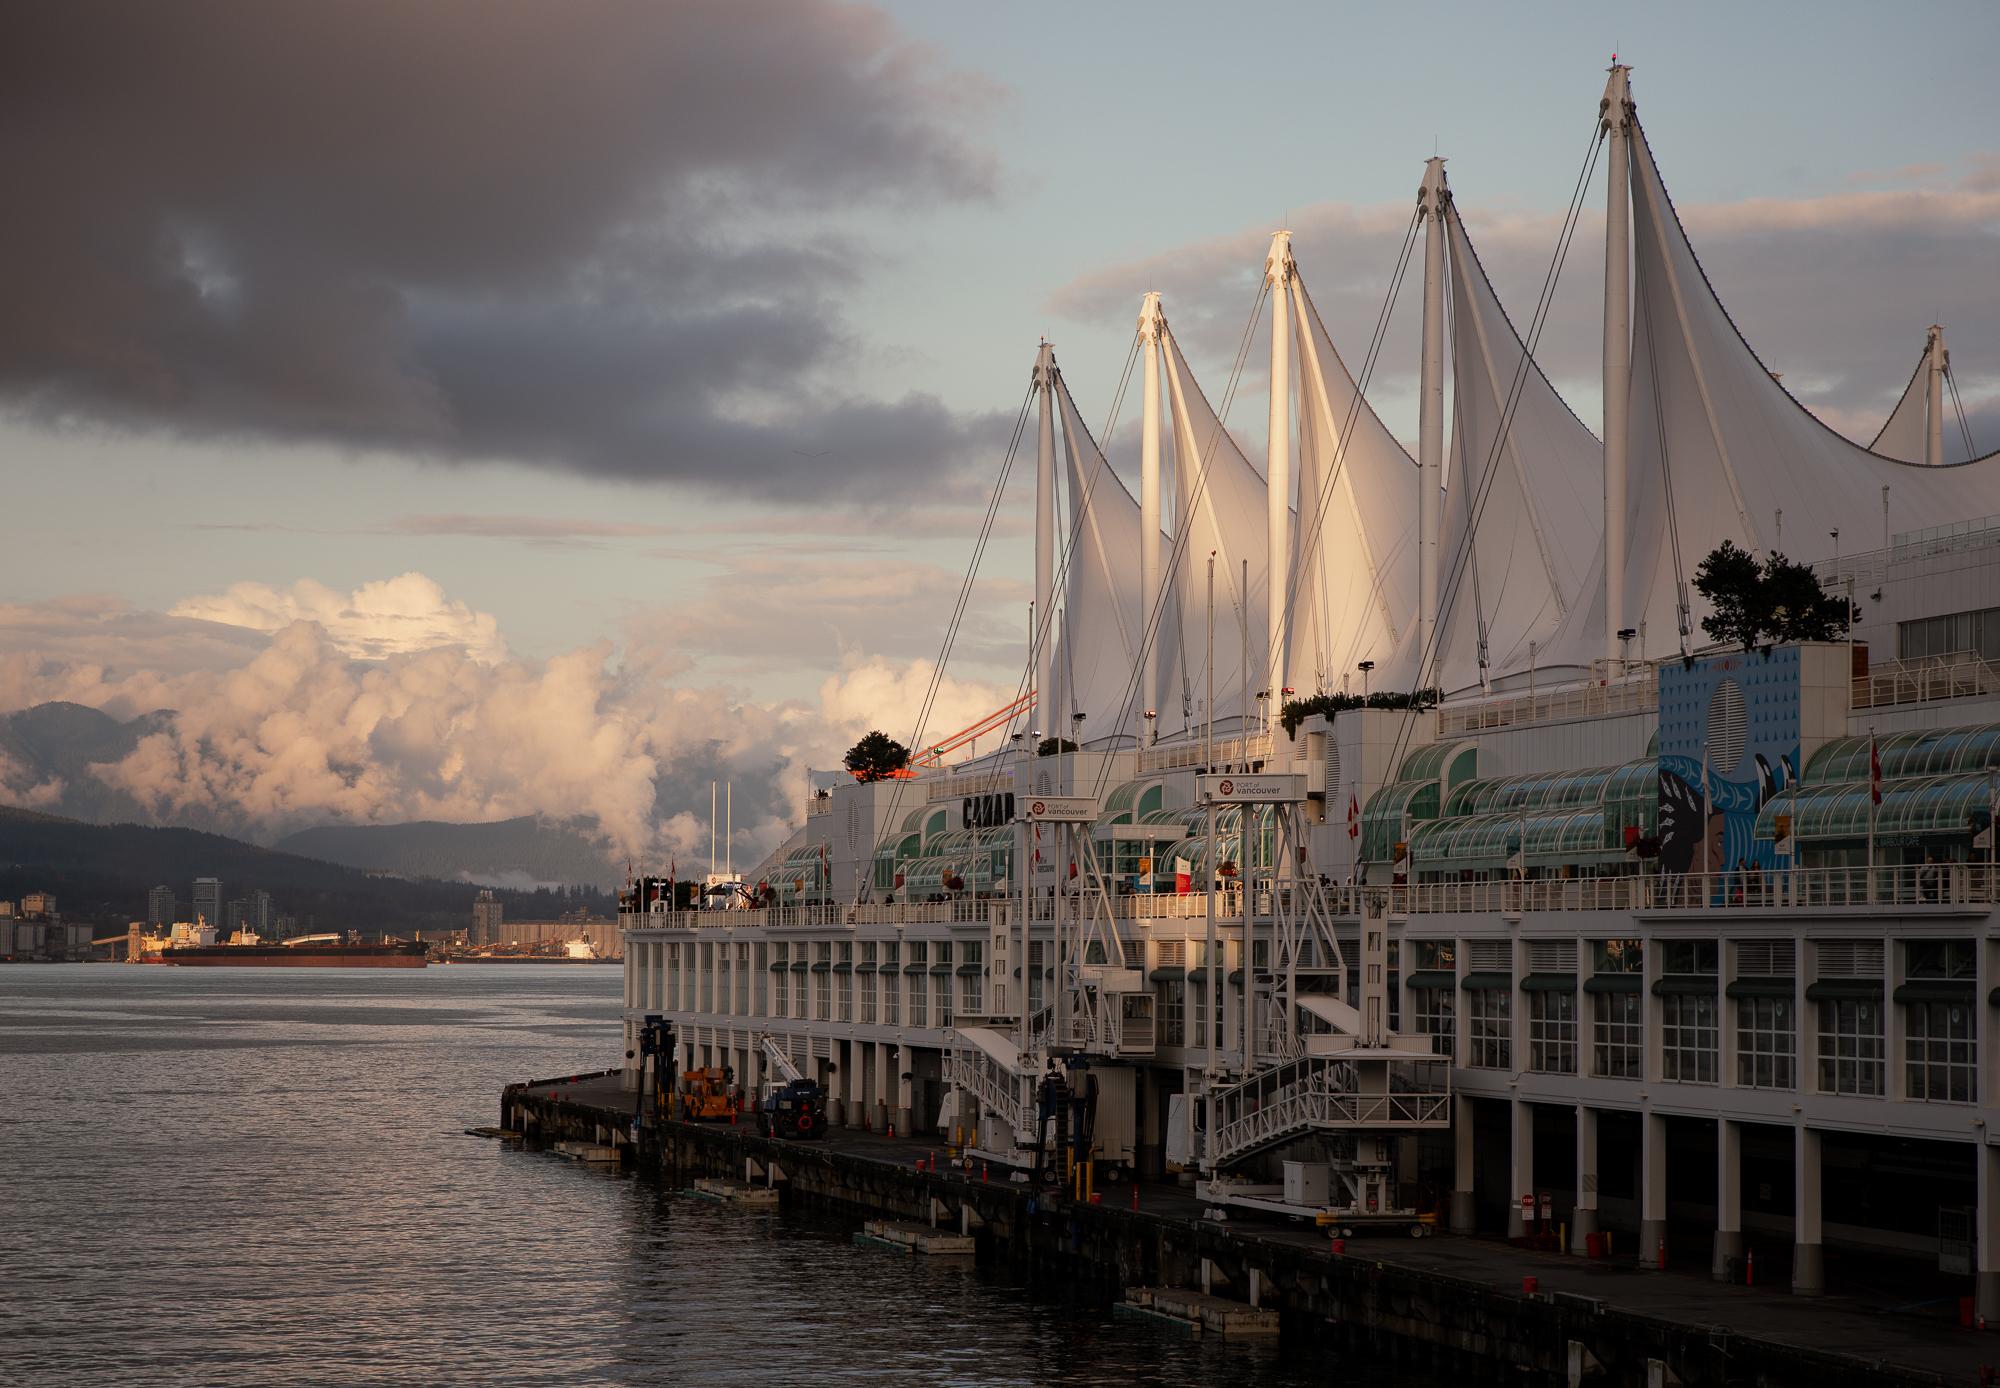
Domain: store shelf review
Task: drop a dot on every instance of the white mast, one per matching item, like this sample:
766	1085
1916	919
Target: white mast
1430	417
1043	648
1151	598
1616	113
1278	271
1934	363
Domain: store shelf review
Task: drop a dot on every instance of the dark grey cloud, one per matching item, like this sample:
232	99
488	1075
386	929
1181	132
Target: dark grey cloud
590	235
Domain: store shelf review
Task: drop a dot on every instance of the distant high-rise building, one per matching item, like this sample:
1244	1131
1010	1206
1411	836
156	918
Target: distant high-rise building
160	906
264	917
485	920
237	916
208	900
38	904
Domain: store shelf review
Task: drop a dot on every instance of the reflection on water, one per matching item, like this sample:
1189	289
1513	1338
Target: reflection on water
260	1177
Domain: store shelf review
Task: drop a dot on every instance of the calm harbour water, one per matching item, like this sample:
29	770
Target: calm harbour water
248	1176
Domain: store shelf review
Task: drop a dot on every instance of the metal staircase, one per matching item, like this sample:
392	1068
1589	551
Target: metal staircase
1313	1094
987	1066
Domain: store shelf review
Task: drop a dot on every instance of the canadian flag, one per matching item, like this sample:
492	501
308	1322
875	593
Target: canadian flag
1183	875
1874	771
1353	816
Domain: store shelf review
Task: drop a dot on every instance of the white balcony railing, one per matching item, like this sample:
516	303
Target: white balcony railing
1961	675
1638	692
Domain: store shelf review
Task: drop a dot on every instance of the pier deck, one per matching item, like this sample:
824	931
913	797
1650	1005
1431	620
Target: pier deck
1822	1330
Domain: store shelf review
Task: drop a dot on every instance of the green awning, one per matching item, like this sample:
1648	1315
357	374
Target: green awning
1488	980
940	968
1695	984
1433	978
1614	983
1549	983
914	969
777	963
1936	990
1762	988
799	966
843	968
1236	975
823	967
1831	988
1168	975
971	970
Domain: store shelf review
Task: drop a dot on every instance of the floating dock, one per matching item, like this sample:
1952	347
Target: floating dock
916	1238
1448	1308
734	1192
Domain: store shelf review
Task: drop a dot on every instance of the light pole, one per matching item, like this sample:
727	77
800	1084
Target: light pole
1364	667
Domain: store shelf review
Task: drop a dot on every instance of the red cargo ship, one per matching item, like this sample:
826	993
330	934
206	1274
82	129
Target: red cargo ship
316	954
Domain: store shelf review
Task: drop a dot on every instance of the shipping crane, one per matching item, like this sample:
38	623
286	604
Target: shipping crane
791	1105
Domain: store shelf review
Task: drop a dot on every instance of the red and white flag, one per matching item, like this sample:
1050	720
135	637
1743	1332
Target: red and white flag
1353	816
1183	876
1874	771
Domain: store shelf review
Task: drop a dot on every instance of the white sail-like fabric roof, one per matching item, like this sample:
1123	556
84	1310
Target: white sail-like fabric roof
1356	564
1537	496
1903	433
1708	421
1102	621
1219	508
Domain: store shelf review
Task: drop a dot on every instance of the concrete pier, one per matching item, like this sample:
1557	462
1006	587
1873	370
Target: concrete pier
1455	1308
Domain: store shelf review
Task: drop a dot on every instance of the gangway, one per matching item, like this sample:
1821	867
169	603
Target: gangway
1318	1072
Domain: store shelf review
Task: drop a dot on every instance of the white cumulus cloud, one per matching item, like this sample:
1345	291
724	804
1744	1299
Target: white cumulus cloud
392	616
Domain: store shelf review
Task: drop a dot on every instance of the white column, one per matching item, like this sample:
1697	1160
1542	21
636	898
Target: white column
1047	717
1987	1231
1278	269
1523	1167
1808	1267
1150	321
1463	1218
1617	115
1728	1196
1430	414
1934	360
1652	1188
1583	1222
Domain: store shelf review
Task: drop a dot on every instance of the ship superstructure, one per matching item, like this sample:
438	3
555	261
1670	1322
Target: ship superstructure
1379	833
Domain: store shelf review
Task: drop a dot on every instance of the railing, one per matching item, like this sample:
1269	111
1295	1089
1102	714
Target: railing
818	804
1903	884
960	911
1179	756
1960	675
1312	1093
1897	885
966	783
1002	1090
1631	693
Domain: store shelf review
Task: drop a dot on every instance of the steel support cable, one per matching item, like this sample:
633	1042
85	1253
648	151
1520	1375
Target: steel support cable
1964	425
1307	549
951	633
1171	567
1448	591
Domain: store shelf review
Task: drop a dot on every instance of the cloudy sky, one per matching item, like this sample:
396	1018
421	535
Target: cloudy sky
464	410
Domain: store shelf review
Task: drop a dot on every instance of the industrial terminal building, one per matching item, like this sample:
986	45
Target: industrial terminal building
1622	933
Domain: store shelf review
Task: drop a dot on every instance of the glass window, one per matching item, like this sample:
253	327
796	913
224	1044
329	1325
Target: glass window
920	1005
823	996
780	981
1689	956
1434	1014
1767	1043
1850	1046
1618	956
892	993
1173	1014
743	979
1688	1038
868	993
1617	1037
1490	1028
1552	1032
1940	1065
1940	959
